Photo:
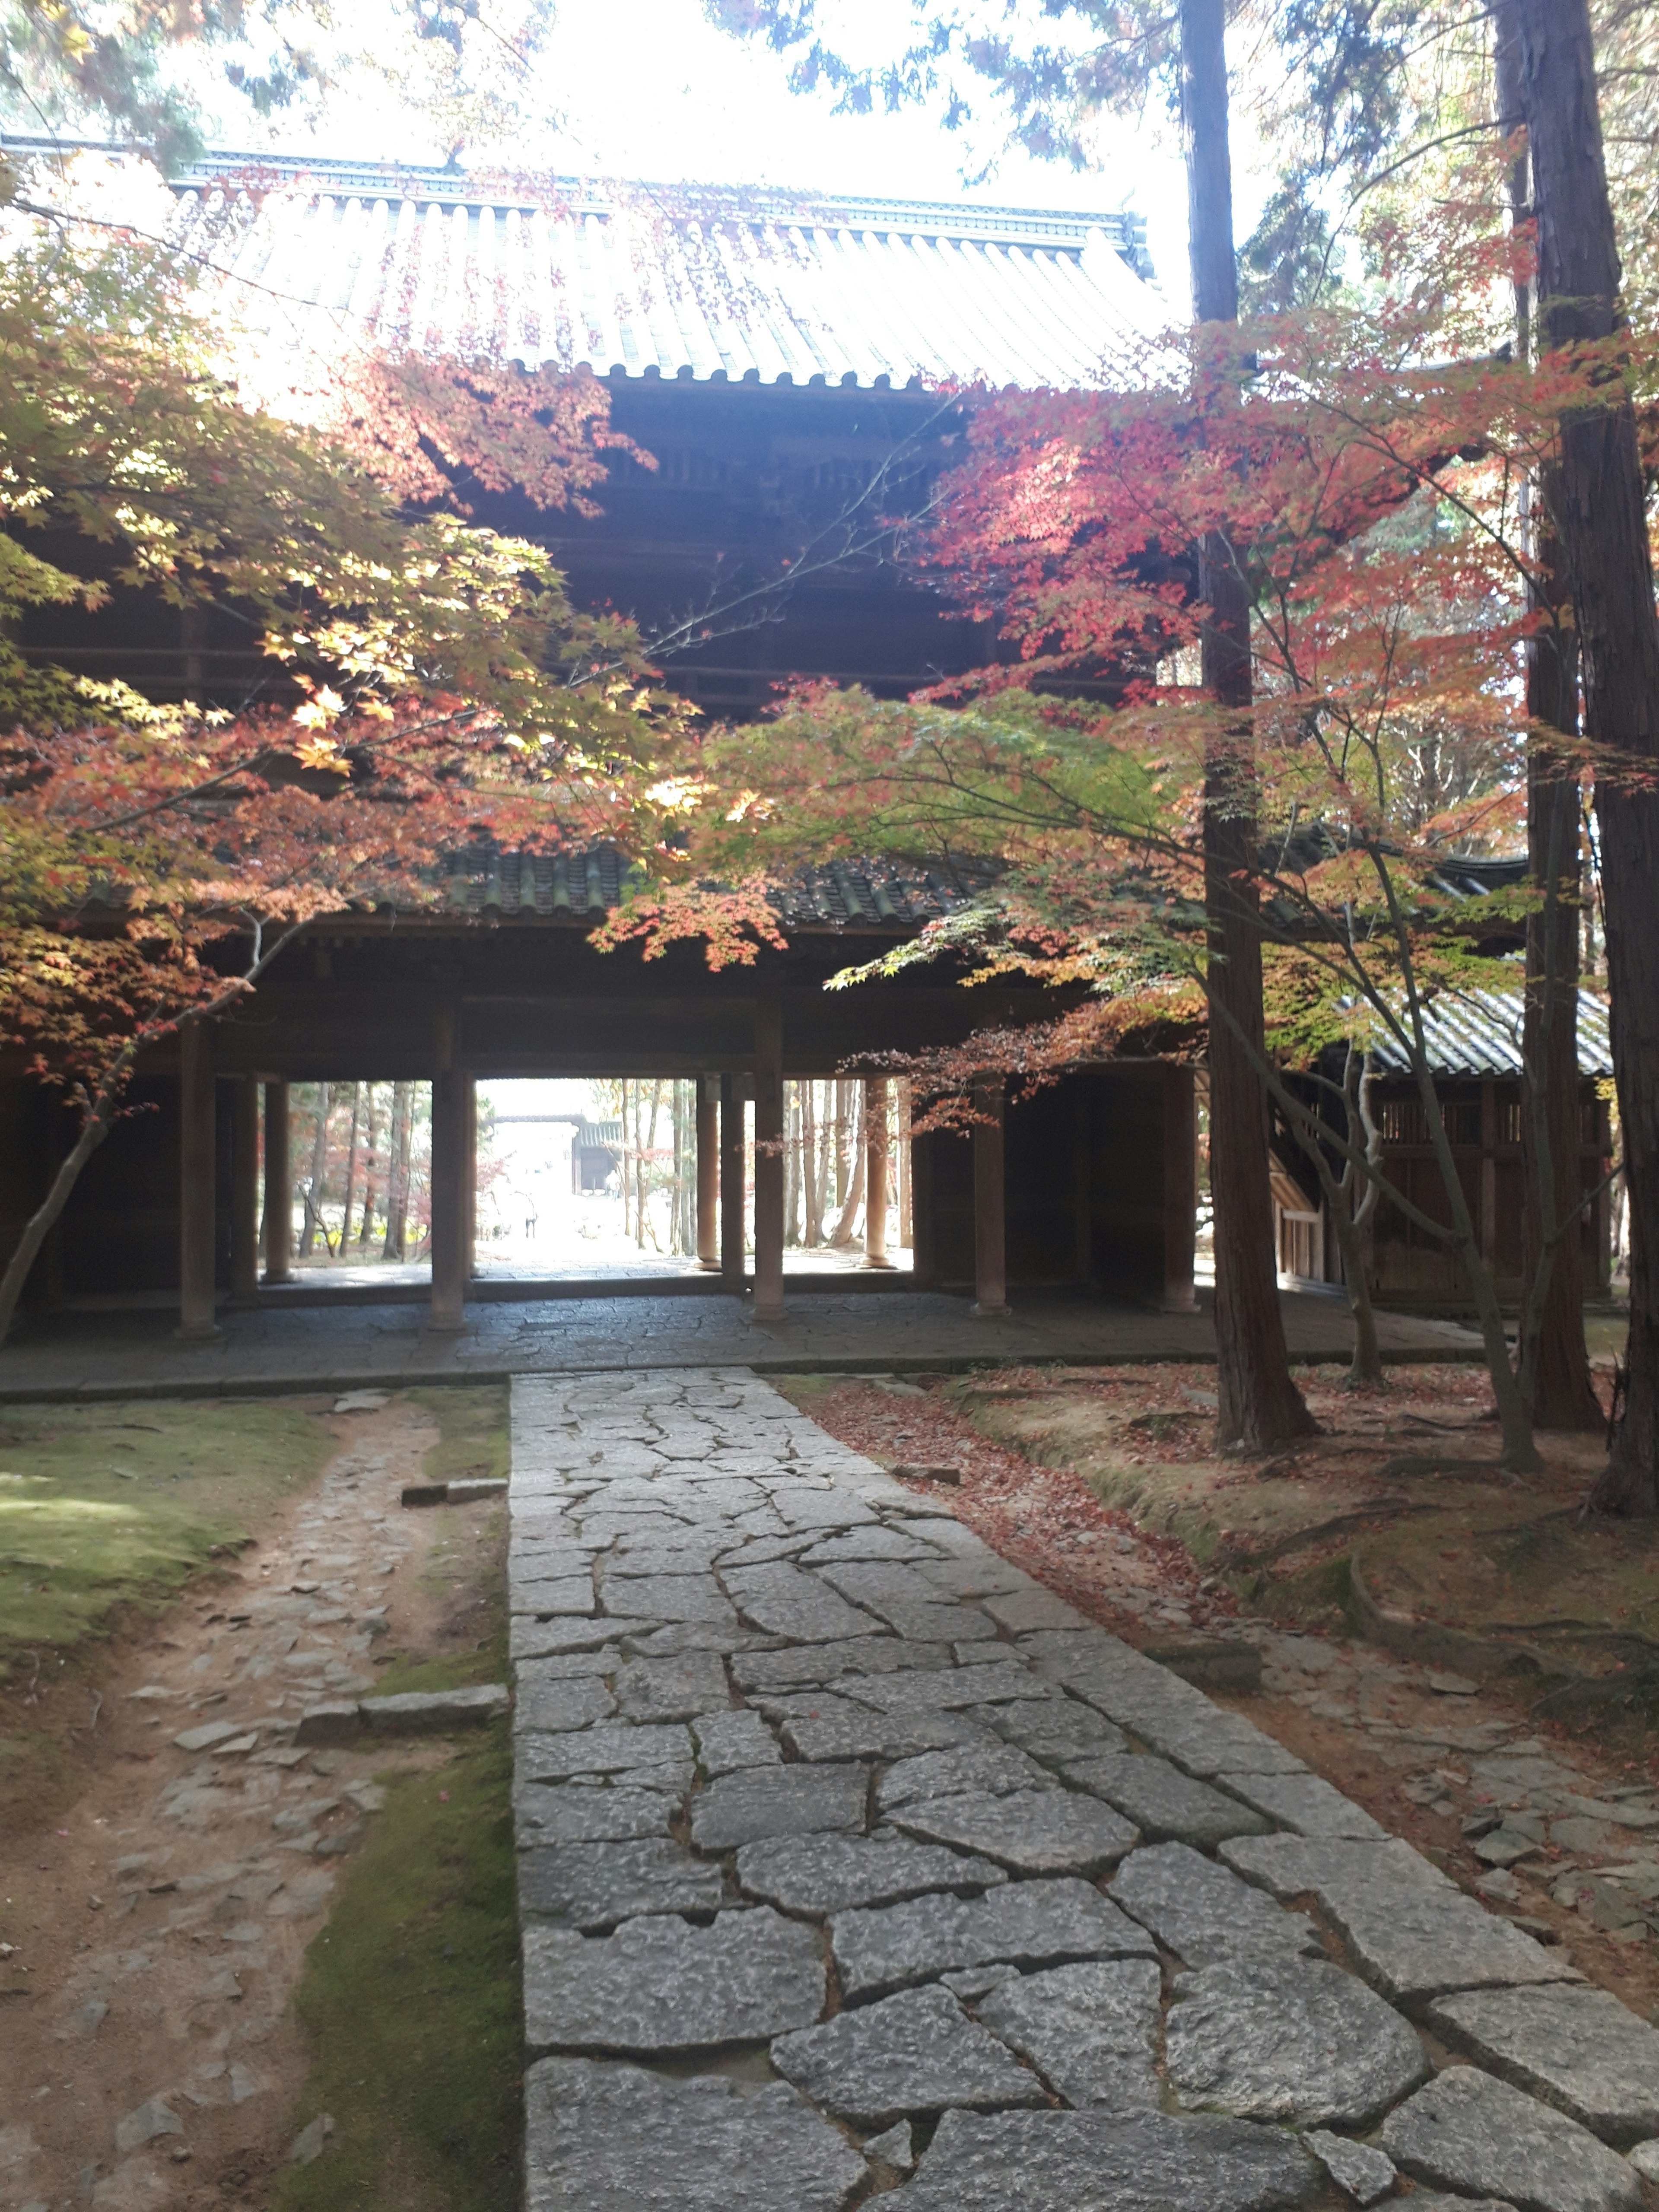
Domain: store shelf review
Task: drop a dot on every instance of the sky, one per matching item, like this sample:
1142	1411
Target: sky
649	89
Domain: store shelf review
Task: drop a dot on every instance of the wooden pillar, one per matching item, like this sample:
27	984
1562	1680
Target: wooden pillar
1083	1183
769	1158
451	1213
732	1264
709	1173
924	1242
245	1190
279	1187
470	1171
1179	1188
990	1223
876	1173
197	1180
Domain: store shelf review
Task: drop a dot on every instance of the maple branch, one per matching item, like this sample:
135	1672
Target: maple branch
98	1110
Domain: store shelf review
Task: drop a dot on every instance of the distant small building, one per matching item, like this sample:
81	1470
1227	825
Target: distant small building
595	1155
1475	1043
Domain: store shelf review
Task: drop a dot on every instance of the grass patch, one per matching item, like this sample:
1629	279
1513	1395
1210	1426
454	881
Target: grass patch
409	2005
474	1433
105	1508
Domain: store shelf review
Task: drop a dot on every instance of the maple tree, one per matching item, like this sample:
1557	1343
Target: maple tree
432	683
1364	468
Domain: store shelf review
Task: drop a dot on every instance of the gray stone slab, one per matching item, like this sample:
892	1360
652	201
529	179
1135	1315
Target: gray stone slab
675	1689
542	1639
659	1985
677	1638
613	2138
779	1800
1103	2163
1034	1831
549	1706
668	1597
893	2146
566	1815
729	1740
811	1666
1466	2130
911	2055
1089	2030
1058	1728
845	1731
1297	2040
606	1749
820	1875
1205	1914
1413	1934
874	1541
594	1886
908	1603
1307	1804
785	1602
544	1600
1164	1804
1026	1924
1210	1743
937	1689
994	1767
1431	2200
1359	2170
1021	1611
1578	2049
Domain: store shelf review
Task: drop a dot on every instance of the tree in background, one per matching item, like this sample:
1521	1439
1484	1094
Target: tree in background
1598	509
1364	476
431	683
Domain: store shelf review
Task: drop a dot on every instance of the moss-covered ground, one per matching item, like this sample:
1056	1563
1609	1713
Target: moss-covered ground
106	1513
104	1508
1405	1480
410	2002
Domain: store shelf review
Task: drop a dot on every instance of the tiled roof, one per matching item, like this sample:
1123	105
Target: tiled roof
577	886
692	283
1478	1033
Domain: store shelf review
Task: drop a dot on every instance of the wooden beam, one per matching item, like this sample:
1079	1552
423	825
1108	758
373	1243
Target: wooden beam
279	1187
990	1218
769	1158
196	1180
709	1173
245	1188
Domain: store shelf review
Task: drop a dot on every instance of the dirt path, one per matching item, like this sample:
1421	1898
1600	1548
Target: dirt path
1553	1824
155	1931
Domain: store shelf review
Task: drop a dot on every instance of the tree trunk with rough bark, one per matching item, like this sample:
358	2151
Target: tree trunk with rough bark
1600	517
1555	1376
1259	1405
316	1189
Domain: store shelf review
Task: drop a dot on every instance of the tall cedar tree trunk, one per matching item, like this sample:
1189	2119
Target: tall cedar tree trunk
397	1193
811	1184
1259	1405
841	1234
371	1162
1555	1376
1601	519
317	1189
351	1165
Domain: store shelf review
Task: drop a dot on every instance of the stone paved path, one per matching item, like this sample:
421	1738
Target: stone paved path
854	1861
320	1347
